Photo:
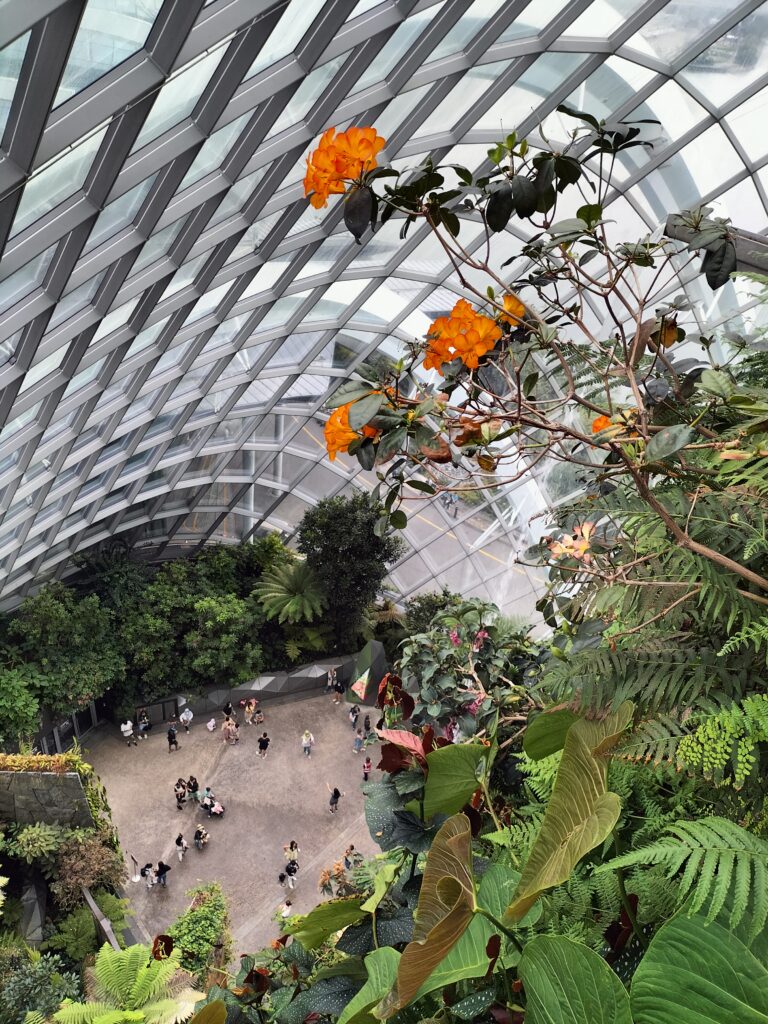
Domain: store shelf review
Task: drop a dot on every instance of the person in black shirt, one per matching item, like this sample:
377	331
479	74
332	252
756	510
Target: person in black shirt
291	870
201	837
161	871
173	743
229	711
193	788
263	745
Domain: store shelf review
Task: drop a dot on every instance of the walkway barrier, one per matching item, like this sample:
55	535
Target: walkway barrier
135	873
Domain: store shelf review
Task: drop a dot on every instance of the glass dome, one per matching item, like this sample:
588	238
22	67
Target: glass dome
174	314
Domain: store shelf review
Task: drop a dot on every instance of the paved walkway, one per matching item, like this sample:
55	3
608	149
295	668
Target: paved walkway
268	802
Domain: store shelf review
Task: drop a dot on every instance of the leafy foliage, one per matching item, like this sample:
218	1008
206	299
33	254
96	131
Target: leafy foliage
76	935
718	863
201	931
348	558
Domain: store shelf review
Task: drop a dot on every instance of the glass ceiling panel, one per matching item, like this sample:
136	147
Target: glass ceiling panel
11	58
109	32
304	317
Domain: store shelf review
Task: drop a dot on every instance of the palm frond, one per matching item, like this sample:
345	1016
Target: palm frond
291	593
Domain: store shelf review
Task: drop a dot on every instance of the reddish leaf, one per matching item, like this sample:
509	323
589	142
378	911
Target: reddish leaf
162	947
394	759
492	950
406	740
475	819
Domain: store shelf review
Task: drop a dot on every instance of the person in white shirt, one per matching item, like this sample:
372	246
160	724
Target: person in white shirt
307	742
127	730
181	846
185	718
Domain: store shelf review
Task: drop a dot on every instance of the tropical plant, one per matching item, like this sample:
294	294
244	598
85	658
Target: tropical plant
76	935
37	843
130	985
201	933
291	593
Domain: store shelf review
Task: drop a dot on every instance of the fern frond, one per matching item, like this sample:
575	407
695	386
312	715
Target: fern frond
291	593
718	859
83	1013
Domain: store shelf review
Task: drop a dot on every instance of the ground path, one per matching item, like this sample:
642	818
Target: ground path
268	802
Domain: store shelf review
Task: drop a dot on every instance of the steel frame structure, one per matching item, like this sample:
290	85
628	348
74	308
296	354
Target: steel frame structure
174	315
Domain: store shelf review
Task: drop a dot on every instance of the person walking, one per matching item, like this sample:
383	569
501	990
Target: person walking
207	794
148	875
354	714
348	853
127	730
229	711
367	768
336	795
292	851
162	871
200	837
281	878
367	726
173	743
144	723
258	714
286	909
338	691
330	679
358	743
193	789
181	847
250	707
228	731
185	718
180	791
291	871
307	742
263	745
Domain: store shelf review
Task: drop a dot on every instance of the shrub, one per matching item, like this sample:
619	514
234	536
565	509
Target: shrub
19	708
39	984
90	862
201	931
35	844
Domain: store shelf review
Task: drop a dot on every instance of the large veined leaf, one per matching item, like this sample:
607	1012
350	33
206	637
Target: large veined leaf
545	734
468	958
452	777
567	983
213	1013
445	909
312	929
381	883
581	812
381	965
699	972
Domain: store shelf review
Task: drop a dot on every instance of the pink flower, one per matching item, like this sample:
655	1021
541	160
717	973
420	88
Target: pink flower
480	637
454	635
474	706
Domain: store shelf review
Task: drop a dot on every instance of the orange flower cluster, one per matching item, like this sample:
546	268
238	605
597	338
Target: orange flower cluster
338	433
514	310
575	546
601	423
338	159
465	334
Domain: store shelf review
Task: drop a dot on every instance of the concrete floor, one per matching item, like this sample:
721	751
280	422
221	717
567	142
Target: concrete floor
268	802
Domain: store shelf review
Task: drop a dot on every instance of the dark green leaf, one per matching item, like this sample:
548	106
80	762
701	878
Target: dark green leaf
398	520
546	733
525	195
668	441
362	411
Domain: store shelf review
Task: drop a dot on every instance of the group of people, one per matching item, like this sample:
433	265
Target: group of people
189	789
